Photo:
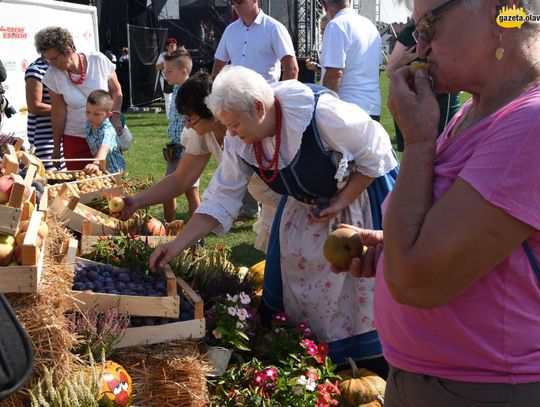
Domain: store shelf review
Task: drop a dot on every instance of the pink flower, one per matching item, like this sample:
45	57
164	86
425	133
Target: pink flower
322	352
281	317
271	373
312	374
259	378
310	346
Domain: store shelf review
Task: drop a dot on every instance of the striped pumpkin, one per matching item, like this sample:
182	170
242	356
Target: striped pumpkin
362	389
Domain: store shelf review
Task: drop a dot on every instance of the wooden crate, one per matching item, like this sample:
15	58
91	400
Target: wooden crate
10	213
86	197
72	211
88	240
167	306
26	278
191	329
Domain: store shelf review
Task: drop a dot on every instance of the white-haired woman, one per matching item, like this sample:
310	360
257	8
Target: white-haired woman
310	147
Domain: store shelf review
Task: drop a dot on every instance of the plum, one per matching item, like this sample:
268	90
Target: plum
89	286
184	316
132	286
78	286
124	277
93	275
120	286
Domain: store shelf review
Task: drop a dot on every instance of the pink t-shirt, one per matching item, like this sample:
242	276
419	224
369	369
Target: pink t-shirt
491	332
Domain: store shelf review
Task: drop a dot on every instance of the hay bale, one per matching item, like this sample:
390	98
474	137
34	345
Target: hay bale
43	315
170	374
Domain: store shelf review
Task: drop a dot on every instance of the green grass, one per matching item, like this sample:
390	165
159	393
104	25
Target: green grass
145	158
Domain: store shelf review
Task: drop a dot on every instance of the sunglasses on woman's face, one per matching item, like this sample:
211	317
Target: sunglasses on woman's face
425	26
233	2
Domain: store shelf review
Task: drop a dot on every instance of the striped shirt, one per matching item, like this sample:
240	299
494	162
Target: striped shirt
176	120
106	134
39	128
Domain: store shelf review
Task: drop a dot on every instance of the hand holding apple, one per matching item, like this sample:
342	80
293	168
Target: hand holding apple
116	204
341	246
364	266
130	206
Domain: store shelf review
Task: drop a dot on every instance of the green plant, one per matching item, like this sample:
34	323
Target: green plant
80	390
99	331
127	251
304	377
210	272
229	321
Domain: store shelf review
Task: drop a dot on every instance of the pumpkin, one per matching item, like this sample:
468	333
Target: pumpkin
155	227
363	389
257	272
115	385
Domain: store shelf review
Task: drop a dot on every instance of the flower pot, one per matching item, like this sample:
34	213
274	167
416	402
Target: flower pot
219	357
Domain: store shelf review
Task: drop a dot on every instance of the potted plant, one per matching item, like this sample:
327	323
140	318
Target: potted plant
229	322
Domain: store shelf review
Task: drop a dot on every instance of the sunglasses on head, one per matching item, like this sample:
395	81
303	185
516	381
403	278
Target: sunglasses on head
233	2
425	26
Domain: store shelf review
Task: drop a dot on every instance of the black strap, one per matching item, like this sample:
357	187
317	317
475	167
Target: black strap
532	259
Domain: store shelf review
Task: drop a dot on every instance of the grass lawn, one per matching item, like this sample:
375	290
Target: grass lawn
145	158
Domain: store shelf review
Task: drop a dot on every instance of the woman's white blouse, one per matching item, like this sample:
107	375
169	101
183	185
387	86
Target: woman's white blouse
362	145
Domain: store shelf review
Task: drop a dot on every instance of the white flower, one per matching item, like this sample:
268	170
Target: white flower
242	314
244	298
239	325
231	311
308	382
216	334
233	299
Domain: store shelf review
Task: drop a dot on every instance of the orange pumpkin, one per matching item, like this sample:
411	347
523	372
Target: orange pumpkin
362	389
155	227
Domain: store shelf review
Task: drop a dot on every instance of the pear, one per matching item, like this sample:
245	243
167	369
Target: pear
341	246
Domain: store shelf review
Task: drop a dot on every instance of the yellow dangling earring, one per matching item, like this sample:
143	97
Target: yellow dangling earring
499	52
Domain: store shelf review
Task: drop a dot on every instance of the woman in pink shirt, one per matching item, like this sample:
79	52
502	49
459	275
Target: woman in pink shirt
457	293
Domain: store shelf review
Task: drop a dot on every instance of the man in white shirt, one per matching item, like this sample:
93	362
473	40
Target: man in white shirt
350	57
258	42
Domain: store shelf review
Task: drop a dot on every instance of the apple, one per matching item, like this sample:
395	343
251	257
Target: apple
6	239
18	254
6	184
116	204
23	225
6	253
341	246
19	239
43	230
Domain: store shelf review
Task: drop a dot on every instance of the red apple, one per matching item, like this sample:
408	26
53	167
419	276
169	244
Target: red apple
6	253
116	204
18	254
6	184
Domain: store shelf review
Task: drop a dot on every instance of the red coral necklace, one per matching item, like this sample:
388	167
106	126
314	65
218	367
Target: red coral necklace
83	72
260	156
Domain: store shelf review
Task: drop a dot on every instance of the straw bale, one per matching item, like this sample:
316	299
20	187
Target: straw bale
43	314
170	374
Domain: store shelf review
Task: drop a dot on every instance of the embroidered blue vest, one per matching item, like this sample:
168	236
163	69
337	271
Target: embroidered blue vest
310	175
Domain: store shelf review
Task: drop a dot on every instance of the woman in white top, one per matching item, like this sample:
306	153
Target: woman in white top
71	77
310	146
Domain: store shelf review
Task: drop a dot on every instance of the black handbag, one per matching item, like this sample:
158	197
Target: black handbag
16	356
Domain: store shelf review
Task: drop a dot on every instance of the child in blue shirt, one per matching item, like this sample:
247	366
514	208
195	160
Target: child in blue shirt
101	135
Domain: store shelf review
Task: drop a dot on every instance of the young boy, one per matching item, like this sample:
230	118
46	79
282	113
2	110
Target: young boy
177	67
101	135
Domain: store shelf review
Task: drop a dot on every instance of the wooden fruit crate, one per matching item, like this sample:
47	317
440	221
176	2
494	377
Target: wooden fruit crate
10	213
26	278
190	329
84	197
167	306
75	213
10	162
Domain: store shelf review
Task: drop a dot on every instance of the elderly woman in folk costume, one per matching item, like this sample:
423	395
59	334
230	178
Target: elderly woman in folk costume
457	288
310	147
